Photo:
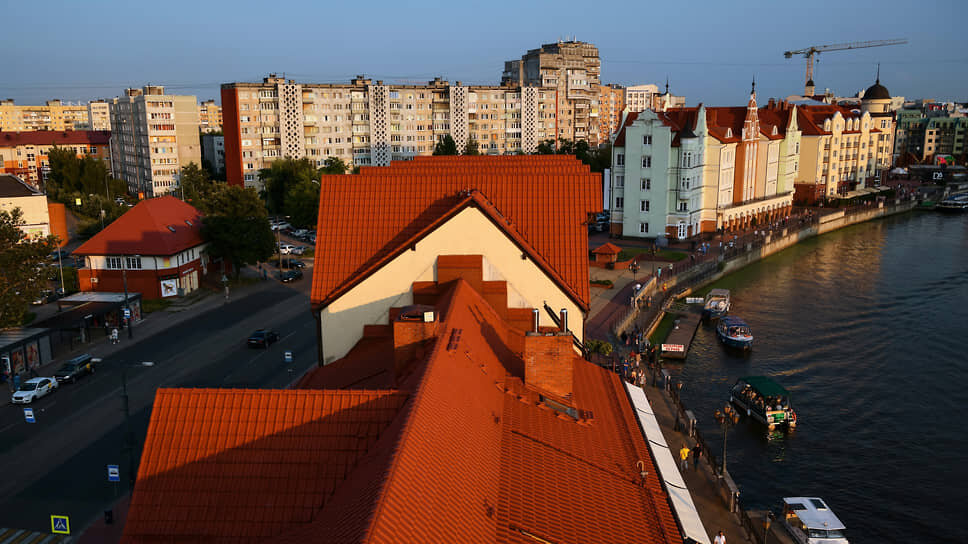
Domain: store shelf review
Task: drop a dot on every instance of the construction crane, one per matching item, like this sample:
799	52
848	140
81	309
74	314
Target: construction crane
810	52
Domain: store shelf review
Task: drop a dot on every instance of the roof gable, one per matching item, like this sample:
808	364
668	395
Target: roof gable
543	201
157	226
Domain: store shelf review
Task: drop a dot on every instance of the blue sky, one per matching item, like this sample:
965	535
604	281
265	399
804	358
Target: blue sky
709	50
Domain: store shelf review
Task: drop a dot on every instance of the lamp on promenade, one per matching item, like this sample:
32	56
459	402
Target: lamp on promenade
727	418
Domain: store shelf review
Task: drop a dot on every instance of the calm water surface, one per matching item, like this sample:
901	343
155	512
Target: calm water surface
868	328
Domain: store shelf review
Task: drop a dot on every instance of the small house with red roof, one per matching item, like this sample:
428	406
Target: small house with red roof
606	253
156	246
526	215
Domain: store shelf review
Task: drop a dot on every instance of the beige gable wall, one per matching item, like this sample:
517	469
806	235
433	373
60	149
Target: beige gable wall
470	232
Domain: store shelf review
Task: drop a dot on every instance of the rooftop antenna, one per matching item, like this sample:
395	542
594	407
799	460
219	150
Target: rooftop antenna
878	73
667	84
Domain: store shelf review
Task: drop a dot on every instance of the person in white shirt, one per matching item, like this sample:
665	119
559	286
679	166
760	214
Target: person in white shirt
720	538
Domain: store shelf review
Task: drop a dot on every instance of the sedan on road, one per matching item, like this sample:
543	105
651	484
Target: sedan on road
262	338
33	389
291	275
286	249
75	368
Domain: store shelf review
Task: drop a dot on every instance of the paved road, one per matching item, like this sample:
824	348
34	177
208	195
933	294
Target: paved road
58	465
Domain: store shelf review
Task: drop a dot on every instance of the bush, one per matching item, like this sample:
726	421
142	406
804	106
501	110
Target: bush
598	346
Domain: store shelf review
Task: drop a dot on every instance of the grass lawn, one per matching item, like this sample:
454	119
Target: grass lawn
662	331
671	255
629	253
154	305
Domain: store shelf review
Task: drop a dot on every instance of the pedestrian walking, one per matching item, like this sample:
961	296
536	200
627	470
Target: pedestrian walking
696	454
720	538
684	458
114	335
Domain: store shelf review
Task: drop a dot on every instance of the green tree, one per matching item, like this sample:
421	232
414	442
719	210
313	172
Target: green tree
302	204
282	174
334	165
21	268
472	148
546	147
198	187
446	146
238	228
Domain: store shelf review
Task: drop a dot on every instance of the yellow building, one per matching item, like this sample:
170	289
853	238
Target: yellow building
611	99
54	115
209	117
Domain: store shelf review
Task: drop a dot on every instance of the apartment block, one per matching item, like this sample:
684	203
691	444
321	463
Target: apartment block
25	154
99	115
925	135
371	123
639	97
845	148
53	115
611	100
213	151
574	69
209	117
153	135
684	172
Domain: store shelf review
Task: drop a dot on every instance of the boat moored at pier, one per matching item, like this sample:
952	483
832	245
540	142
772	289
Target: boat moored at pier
810	521
735	333
716	304
763	400
954	203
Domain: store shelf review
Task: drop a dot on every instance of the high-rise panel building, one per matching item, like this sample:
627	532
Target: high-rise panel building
209	117
99	115
153	135
639	97
371	123
611	100
574	69
53	115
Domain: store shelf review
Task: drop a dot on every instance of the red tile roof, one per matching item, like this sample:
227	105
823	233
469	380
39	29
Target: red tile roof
629	119
157	226
474	454
223	465
811	118
50	137
543	202
607	248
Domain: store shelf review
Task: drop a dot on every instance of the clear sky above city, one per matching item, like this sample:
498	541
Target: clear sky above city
709	50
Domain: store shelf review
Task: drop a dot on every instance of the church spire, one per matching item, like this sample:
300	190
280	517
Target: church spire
878	81
667	85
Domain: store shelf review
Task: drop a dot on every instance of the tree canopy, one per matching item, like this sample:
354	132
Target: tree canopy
446	146
70	174
198	187
237	226
283	174
21	268
472	148
598	159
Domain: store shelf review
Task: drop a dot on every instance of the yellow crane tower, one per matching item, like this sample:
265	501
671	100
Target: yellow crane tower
810	52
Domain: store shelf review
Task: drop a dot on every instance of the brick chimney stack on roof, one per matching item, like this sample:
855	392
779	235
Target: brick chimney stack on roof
413	330
548	363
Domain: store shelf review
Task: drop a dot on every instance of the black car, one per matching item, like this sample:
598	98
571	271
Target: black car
262	338
291	275
75	368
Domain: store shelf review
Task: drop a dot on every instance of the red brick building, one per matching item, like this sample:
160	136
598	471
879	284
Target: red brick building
24	154
157	244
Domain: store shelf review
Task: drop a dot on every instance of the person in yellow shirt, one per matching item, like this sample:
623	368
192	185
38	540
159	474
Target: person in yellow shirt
684	457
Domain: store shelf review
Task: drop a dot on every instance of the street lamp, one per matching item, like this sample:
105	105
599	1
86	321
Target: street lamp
128	434
727	418
124	279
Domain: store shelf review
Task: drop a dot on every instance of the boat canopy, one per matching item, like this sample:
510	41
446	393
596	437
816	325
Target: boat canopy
766	386
732	321
717	293
814	513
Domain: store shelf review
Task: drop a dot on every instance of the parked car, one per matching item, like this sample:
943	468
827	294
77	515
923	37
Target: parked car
291	275
280	226
45	296
73	369
33	389
298	250
286	249
262	338
299	233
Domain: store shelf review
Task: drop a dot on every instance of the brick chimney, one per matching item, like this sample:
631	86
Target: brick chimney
548	363
413	330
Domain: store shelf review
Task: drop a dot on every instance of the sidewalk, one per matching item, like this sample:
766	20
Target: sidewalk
152	324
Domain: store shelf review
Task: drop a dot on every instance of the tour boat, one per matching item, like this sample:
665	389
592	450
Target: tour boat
735	333
716	304
954	203
763	400
810	521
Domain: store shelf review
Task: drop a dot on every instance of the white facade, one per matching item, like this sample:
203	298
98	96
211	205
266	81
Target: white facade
639	97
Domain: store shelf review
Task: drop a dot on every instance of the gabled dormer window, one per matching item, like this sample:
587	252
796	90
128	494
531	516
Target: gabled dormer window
729	133
775	131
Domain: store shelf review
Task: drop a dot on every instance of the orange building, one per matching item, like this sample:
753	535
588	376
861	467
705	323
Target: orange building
24	154
611	100
456	415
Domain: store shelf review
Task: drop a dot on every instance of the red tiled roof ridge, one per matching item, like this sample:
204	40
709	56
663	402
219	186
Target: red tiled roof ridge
53	137
149	220
607	248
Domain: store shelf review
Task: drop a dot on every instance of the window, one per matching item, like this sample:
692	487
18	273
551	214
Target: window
133	263
643	228
643	205
647	161
683	206
619	182
646	184
114	263
620	159
619	203
647	139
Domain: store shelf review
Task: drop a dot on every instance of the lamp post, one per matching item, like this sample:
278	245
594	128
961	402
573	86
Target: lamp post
727	418
124	279
125	407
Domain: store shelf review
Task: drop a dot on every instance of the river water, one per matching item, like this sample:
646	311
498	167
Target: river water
868	328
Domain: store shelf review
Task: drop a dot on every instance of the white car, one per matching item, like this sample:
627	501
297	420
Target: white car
286	249
280	226
33	389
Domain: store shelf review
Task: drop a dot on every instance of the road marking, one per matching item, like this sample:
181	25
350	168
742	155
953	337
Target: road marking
12	425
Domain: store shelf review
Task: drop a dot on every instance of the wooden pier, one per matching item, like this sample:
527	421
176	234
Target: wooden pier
676	345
